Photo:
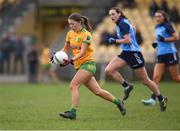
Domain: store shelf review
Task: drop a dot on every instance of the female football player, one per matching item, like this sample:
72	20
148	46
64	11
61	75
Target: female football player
167	55
130	55
79	40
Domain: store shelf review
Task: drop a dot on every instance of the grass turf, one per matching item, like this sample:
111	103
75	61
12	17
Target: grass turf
36	106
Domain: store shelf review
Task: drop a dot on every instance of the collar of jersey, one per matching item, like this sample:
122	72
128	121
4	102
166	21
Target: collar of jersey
81	30
161	24
120	20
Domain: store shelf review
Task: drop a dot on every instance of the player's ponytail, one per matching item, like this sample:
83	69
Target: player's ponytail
83	19
86	23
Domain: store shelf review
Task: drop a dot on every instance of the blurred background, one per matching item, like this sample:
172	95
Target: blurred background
31	30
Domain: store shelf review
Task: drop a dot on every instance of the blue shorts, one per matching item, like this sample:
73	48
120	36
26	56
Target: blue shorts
168	59
133	58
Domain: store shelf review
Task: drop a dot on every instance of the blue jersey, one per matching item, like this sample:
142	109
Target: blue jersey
124	27
166	30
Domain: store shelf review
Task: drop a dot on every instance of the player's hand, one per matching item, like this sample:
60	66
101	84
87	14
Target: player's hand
160	38
67	62
154	45
112	40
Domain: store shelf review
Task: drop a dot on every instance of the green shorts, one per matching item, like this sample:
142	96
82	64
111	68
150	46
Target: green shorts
46	66
89	66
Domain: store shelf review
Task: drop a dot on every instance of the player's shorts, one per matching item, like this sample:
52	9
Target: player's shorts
46	66
133	58
168	59
89	66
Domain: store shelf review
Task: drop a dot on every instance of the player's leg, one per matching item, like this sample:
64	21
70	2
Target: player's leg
80	77
112	70
157	76
41	73
93	86
174	72
52	72
173	66
158	72
142	75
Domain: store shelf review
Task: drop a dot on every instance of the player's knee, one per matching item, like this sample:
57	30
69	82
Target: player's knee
73	86
109	71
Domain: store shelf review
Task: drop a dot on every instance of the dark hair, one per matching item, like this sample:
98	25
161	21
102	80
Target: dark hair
119	12
83	19
164	15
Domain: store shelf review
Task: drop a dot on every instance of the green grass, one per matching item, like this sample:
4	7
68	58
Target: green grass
36	106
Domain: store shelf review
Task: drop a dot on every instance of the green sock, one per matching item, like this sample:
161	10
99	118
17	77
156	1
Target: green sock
116	101
73	110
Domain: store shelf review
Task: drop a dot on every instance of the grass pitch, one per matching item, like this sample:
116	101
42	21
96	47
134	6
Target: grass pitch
36	106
